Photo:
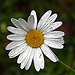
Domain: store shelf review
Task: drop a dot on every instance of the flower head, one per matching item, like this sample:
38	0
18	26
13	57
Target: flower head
31	40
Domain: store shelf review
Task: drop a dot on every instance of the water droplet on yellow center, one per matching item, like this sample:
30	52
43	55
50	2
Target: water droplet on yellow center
34	38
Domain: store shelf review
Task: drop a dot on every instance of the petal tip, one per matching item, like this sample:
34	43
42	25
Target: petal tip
55	15
8	37
12	19
38	70
9	56
18	61
60	23
50	11
19	18
56	60
21	66
6	48
9	28
33	11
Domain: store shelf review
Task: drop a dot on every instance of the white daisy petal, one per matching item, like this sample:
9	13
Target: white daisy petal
43	19
58	40
49	22
16	51
25	58
15	37
51	19
53	44
24	55
16	30
47	51
56	25
31	22
30	60
36	61
35	18
54	34
52	27
14	44
15	22
24	24
40	58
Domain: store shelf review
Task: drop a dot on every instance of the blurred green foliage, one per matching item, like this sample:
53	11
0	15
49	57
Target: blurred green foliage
22	8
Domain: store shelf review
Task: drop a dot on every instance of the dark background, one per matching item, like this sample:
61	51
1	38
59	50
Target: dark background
22	8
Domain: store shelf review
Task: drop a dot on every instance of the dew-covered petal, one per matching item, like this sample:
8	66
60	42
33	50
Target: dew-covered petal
43	19
15	37
35	18
48	52
16	51
14	44
16	30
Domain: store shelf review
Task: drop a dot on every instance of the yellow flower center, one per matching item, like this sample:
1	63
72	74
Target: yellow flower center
34	38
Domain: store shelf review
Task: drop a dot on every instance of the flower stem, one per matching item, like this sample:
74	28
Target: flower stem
66	66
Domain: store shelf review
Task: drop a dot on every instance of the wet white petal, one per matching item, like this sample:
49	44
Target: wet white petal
14	44
49	22
15	22
16	30
36	61
35	18
54	34
53	44
25	58
52	27
15	37
30	60
43	19
31	22
24	24
48	52
16	51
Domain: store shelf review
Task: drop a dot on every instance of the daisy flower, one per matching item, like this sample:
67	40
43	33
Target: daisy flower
31	40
